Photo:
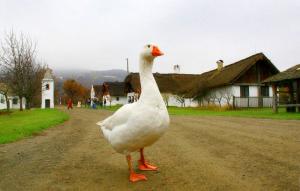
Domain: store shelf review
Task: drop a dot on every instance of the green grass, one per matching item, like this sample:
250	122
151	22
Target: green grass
23	124
252	113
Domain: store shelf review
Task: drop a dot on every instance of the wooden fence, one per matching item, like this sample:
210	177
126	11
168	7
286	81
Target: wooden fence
252	102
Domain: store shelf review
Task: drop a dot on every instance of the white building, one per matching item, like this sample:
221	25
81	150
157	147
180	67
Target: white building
109	93
48	90
239	84
14	101
235	95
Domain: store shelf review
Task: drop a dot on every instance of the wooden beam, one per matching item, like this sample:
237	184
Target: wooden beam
291	92
248	84
298	93
274	88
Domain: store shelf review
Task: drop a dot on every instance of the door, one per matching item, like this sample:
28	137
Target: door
47	103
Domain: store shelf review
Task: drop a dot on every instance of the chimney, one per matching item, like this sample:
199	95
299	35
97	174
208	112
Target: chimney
176	69
127	64
220	65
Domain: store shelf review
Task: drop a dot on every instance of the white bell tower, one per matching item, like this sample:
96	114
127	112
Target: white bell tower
48	90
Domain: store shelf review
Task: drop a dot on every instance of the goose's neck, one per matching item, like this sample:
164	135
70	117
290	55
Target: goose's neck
150	92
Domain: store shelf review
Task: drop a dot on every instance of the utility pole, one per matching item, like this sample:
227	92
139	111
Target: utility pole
127	65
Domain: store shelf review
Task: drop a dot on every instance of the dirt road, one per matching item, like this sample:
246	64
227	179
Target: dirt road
197	153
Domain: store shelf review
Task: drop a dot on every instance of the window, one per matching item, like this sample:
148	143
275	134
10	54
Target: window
2	99
47	86
244	91
117	98
15	101
265	91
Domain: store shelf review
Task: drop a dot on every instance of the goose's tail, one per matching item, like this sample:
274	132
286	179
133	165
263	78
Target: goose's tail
106	132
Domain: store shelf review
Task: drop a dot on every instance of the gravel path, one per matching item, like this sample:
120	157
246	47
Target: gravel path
197	153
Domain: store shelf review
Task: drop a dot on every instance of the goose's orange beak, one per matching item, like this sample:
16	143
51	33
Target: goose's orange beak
156	51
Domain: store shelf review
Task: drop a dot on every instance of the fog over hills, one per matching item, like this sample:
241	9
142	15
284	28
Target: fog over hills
89	77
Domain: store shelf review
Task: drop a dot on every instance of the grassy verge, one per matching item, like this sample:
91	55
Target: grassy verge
22	124
252	113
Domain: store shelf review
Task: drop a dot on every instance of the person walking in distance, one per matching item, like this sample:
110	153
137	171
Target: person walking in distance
70	104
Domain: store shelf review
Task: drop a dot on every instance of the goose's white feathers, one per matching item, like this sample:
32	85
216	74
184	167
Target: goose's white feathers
139	124
134	126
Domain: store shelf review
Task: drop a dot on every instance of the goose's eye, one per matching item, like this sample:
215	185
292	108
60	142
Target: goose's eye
148	45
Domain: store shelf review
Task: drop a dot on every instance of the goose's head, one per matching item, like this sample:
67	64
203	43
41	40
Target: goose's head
150	52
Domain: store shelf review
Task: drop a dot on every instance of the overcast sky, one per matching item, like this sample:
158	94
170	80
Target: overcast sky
101	34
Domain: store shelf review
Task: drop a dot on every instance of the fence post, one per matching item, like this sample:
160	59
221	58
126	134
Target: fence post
248	101
275	108
233	102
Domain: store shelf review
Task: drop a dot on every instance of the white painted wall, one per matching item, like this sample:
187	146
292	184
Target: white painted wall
16	106
122	100
48	94
188	102
235	91
2	102
270	91
253	91
232	90
11	105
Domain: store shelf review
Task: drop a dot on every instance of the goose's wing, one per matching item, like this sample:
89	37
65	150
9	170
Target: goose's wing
120	117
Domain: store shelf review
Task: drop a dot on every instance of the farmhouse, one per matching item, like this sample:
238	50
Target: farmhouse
286	89
238	84
172	86
112	92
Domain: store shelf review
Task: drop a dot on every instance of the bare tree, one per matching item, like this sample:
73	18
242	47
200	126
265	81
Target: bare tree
34	74
17	62
15	54
207	98
219	97
180	99
200	93
227	94
166	97
213	96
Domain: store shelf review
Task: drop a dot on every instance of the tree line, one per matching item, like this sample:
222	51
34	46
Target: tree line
75	91
21	72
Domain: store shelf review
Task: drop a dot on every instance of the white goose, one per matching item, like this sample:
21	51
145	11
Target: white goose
138	125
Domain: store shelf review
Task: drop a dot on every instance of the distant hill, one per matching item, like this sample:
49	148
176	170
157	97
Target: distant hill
89	77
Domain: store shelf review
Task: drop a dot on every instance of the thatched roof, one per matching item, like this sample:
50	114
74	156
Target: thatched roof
190	85
167	83
114	88
289	74
230	73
